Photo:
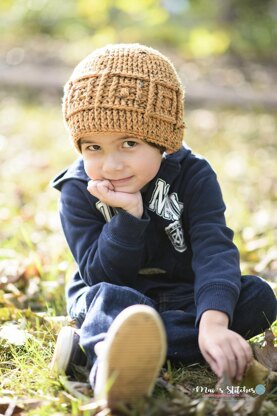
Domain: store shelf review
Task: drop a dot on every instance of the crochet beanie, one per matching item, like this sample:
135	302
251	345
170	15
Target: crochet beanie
126	88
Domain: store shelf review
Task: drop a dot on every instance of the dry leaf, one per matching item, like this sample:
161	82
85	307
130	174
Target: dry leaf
94	405
267	354
223	408
200	409
14	406
249	405
32	267
8	404
75	388
10	272
256	374
14	333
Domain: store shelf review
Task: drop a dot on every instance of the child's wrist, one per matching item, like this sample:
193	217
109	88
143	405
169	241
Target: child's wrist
135	209
135	212
214	317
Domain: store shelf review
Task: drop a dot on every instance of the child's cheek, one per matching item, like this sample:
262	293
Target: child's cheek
90	170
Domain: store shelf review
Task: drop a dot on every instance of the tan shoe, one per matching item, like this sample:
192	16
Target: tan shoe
131	356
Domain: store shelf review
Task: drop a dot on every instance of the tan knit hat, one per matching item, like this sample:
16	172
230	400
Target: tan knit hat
126	88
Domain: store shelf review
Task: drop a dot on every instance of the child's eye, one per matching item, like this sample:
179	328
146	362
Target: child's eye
129	143
93	147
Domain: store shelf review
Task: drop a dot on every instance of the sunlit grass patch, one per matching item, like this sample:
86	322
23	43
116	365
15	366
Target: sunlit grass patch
26	346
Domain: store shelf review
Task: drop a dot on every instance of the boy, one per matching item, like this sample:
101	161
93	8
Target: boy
158	274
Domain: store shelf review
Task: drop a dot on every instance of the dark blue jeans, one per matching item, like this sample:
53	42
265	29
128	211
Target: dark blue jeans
96	309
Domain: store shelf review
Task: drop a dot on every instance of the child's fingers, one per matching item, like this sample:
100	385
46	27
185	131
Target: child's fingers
248	352
240	357
216	361
240	363
100	184
245	352
92	186
90	183
215	368
100	189
232	355
105	186
234	362
226	361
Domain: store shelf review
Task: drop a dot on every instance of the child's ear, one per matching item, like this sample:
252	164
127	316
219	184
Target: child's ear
169	151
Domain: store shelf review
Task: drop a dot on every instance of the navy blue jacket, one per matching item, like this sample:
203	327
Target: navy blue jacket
181	241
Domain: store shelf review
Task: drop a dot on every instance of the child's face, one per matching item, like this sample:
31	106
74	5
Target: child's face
128	163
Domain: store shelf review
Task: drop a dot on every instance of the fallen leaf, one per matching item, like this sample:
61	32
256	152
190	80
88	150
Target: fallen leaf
9	406
94	405
223	408
13	334
225	405
32	266
10	272
267	354
255	375
268	408
75	388
251	405
200	409
14	406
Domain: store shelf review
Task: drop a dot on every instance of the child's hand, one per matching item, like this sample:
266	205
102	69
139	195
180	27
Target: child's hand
105	192
223	349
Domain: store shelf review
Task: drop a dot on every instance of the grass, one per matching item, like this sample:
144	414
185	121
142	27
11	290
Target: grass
35	262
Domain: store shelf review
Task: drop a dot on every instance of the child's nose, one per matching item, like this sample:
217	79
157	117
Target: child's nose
112	163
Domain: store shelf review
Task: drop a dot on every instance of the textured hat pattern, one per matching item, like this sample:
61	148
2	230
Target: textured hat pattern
126	88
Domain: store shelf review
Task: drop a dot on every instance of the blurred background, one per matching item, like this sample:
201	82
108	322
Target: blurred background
225	53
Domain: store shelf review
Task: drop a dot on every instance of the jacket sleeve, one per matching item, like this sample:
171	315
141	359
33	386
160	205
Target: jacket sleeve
215	260
104	252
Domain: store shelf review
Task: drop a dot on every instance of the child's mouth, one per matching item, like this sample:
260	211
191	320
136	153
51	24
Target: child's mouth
122	181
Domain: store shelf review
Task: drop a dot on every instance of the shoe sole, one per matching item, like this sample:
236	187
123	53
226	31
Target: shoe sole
63	350
134	351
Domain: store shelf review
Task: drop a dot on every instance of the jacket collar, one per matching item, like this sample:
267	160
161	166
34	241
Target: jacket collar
75	171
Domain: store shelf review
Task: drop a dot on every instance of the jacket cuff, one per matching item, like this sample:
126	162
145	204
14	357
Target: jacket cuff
217	297
125	228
